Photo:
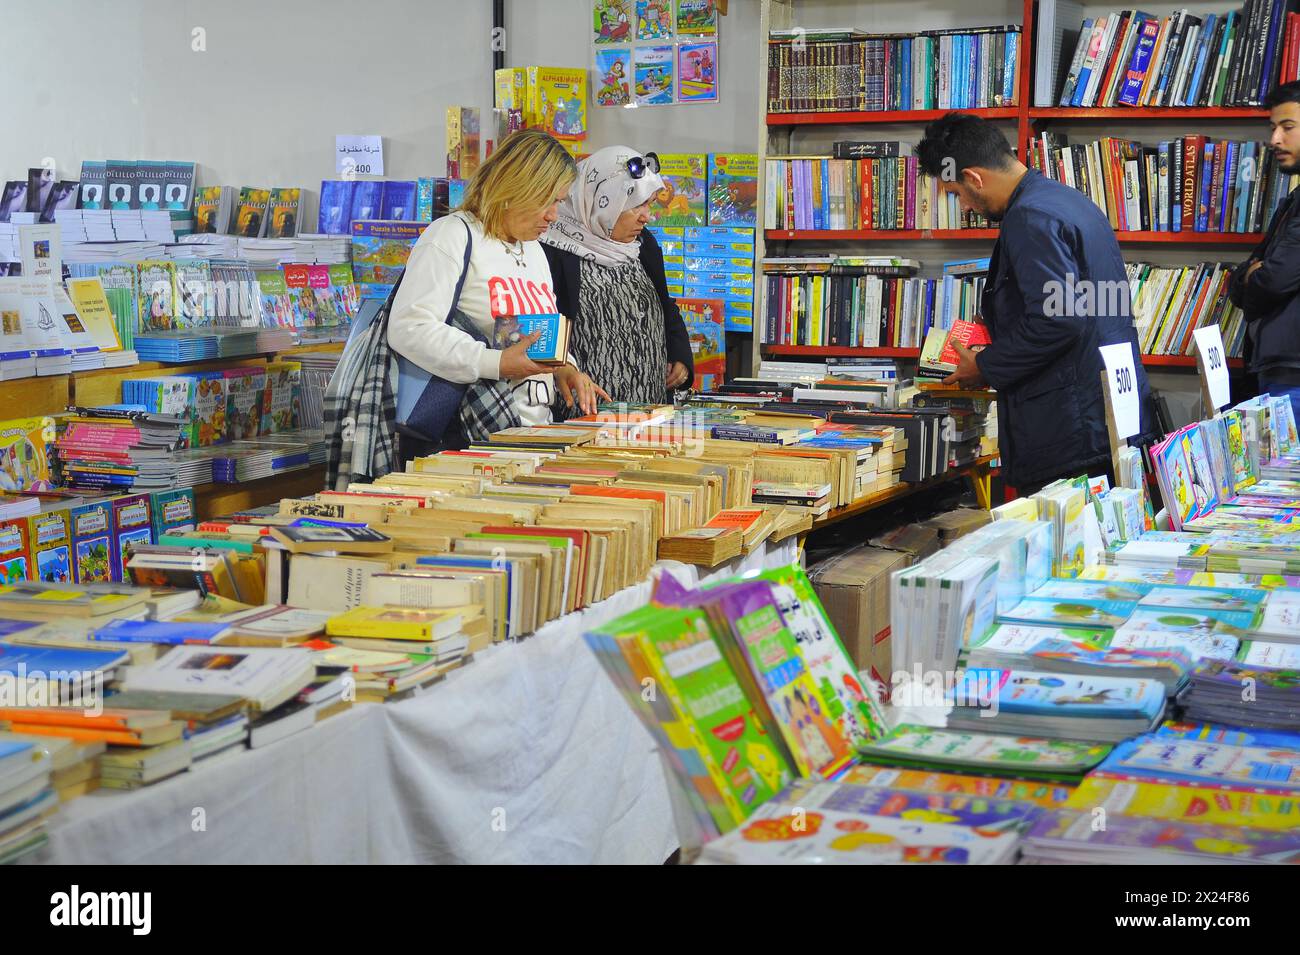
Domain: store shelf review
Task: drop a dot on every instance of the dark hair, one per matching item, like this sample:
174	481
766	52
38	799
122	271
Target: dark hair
965	140
1285	93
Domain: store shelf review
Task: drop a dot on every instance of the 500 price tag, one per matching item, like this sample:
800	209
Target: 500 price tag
1214	366
1121	381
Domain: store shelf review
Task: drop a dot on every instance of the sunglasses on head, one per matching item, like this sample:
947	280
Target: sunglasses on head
638	165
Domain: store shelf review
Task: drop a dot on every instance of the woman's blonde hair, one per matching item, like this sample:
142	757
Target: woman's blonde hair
525	172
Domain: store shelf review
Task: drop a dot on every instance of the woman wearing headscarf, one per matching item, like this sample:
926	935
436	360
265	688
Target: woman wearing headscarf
626	331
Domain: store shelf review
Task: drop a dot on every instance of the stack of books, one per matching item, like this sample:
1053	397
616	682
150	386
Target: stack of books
26	797
118	448
1215	695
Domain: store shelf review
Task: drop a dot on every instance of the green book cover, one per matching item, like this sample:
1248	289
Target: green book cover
690	668
852	704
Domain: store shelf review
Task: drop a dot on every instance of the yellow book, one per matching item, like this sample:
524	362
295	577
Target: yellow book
394	623
92	307
1206	805
1022	508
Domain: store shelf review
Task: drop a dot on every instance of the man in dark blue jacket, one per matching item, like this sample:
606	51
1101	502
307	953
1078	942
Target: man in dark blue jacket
1056	292
1267	285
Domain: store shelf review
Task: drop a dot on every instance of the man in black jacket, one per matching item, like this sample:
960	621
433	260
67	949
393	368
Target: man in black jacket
1267	285
1056	292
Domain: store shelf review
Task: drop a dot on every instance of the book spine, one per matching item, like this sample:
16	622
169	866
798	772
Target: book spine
1204	186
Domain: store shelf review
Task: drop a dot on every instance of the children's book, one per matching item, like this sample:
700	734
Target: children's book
925	747
697	72
1165	759
733	189
754	635
654	76
48	534
704	324
683	200
613	83
25	454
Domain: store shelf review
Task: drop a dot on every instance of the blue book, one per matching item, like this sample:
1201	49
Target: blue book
456	192
1229	179
367	200
1009	67
10	750
959	72
551	349
1067	695
335	216
1202	53
9	627
1230	735
1200	619
907	75
64	660
1165	758
1203	189
1241	204
1137	67
424	194
399	200
158	631
172	511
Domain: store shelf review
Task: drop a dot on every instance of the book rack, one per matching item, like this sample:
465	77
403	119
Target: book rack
1028	119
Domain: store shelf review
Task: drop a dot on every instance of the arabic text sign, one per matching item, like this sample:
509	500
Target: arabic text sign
359	156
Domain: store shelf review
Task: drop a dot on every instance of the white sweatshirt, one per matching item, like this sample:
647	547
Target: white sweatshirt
496	285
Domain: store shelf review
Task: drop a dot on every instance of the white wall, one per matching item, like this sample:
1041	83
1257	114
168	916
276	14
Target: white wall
279	78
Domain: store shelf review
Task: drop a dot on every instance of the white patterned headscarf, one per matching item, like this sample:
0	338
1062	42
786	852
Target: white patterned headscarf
602	192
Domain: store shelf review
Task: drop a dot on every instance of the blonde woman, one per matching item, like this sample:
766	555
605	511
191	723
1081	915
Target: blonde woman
509	203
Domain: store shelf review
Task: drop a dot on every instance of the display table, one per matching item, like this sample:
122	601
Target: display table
526	755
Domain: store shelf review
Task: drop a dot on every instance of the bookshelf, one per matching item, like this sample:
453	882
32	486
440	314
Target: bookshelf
842	351
1028	120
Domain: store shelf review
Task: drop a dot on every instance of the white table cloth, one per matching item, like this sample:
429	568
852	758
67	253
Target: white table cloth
526	754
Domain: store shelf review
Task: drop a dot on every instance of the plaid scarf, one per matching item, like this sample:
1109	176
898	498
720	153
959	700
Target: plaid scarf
361	408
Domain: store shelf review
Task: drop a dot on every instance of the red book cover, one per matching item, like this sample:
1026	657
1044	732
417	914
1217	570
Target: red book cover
1191	163
969	334
15	551
864	174
296	276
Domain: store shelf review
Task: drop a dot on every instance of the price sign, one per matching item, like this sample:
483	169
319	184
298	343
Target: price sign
1213	365
359	156
1121	383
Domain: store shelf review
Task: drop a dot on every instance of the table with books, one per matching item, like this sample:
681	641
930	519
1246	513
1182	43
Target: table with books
525	754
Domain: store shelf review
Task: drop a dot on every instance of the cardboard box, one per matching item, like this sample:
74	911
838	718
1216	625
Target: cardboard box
854	589
958	523
917	540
